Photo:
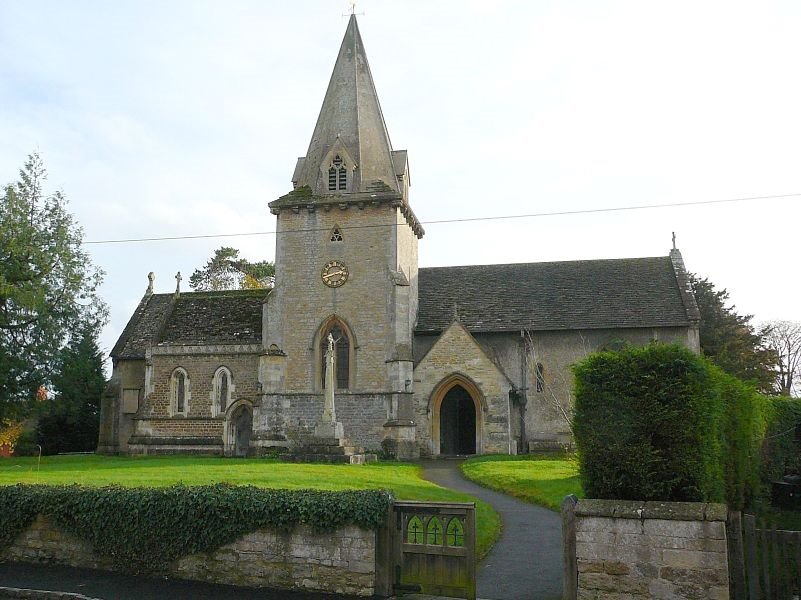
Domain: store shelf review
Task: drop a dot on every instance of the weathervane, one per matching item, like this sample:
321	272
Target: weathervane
352	9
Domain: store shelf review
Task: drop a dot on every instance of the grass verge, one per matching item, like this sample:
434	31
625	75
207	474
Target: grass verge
403	479
542	479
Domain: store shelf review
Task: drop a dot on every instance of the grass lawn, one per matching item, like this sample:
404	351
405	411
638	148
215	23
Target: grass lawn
539	479
403	479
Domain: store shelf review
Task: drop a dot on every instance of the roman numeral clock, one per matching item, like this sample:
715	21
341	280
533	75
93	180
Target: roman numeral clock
334	273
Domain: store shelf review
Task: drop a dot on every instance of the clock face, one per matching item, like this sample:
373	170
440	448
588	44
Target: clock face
334	273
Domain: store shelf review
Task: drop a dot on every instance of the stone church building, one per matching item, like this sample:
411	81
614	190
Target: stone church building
428	361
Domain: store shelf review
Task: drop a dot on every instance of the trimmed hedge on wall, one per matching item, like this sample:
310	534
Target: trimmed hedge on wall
662	423
141	529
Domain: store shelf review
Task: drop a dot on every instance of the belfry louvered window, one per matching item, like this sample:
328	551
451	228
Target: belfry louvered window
337	175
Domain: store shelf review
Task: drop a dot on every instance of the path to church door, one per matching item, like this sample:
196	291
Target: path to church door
457	423
242	422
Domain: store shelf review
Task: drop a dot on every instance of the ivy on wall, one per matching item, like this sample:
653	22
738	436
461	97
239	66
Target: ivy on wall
142	529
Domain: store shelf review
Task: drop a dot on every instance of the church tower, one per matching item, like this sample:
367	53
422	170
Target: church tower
346	265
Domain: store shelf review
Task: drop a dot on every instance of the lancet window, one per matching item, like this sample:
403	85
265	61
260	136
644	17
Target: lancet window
179	392
221	391
540	377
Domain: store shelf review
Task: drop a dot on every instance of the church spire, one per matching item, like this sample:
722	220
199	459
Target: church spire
350	150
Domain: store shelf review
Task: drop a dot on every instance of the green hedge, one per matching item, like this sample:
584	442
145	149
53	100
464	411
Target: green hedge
781	451
662	423
142	529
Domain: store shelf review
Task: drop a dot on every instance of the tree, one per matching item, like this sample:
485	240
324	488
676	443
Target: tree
784	339
729	339
227	271
69	422
48	286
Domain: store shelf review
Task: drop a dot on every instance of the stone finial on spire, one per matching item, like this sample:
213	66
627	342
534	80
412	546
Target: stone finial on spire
178	283
674	241
456	316
151	277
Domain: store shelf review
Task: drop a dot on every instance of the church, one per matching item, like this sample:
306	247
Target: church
425	362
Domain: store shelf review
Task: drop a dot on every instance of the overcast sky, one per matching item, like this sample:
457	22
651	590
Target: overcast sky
184	118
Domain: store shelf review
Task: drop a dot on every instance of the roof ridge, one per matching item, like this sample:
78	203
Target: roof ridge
548	262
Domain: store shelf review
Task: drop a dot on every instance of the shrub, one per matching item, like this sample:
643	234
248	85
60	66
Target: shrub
662	423
74	431
152	527
747	413
781	450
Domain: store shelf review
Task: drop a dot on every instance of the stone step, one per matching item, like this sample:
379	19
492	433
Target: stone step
321	449
318	458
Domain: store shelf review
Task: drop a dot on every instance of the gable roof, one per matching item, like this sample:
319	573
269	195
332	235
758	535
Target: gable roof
201	318
585	294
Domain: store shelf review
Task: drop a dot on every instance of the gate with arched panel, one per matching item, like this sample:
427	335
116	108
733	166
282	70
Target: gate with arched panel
434	548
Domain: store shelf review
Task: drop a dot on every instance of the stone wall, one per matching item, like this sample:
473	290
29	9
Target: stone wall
293	417
341	562
667	550
200	367
456	353
301	302
538	415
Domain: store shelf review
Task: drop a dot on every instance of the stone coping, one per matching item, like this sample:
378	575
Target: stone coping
670	511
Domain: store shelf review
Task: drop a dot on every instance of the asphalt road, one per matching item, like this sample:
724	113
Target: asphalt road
104	585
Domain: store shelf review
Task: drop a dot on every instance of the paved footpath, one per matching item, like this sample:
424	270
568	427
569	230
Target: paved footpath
526	562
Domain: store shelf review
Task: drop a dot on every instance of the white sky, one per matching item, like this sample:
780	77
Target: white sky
182	118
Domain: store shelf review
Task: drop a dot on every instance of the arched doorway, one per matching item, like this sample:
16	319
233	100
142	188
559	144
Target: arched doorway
240	430
457	422
456	416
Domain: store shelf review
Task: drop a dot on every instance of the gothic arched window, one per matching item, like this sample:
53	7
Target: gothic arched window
341	354
221	391
337	175
179	392
540	377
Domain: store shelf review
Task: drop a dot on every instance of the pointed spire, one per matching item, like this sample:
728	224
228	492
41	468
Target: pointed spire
350	126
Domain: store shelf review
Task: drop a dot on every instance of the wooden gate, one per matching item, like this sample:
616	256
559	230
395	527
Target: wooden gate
434	549
764	563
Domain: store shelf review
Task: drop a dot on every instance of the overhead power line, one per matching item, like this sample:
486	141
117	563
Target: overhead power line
560	213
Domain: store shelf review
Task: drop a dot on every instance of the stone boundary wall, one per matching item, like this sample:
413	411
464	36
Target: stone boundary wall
667	550
341	562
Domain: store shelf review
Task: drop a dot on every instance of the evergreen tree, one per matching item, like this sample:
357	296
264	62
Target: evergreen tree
69	422
227	271
47	286
729	339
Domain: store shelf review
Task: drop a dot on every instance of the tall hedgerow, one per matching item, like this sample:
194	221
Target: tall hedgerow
781	449
662	423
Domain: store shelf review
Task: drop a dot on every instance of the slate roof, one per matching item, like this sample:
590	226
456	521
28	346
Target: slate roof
202	318
586	294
